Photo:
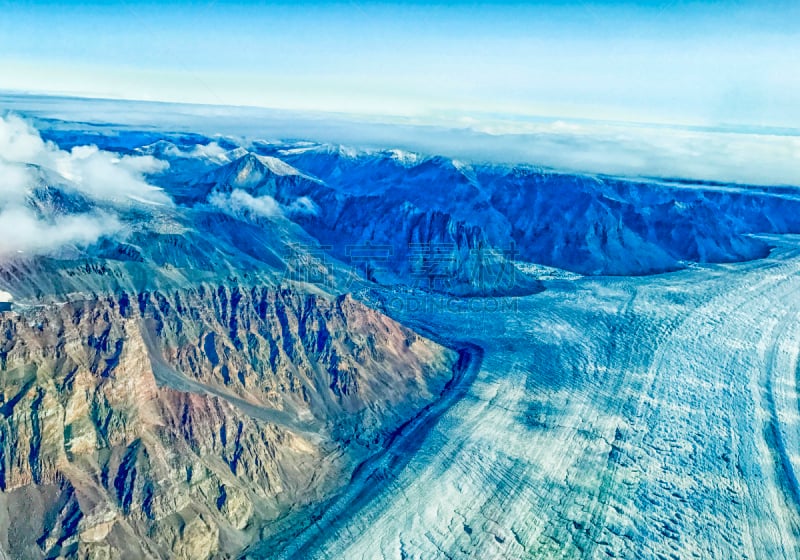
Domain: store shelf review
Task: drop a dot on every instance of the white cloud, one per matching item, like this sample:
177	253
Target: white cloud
22	231
212	150
618	149
106	176
19	141
98	175
14	182
241	203
303	205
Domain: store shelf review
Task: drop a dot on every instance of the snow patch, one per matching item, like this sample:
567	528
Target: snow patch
277	166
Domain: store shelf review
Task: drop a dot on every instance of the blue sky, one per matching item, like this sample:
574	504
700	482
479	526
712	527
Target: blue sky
673	62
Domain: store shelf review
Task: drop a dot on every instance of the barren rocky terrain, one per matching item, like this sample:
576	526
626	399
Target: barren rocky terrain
179	425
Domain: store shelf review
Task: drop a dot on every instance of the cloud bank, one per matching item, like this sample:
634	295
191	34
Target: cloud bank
27	162
648	151
757	156
745	155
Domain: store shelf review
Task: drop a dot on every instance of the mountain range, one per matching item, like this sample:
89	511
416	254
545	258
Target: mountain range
201	358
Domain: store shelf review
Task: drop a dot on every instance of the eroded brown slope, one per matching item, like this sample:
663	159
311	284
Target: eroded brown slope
179	424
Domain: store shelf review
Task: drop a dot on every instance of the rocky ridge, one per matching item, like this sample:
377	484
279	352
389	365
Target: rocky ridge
178	425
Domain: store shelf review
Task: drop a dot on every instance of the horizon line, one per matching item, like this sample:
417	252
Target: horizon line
463	119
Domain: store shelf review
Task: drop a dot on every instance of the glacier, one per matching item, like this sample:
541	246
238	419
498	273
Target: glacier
650	417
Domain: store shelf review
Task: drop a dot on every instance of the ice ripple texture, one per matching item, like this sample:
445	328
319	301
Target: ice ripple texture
610	418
